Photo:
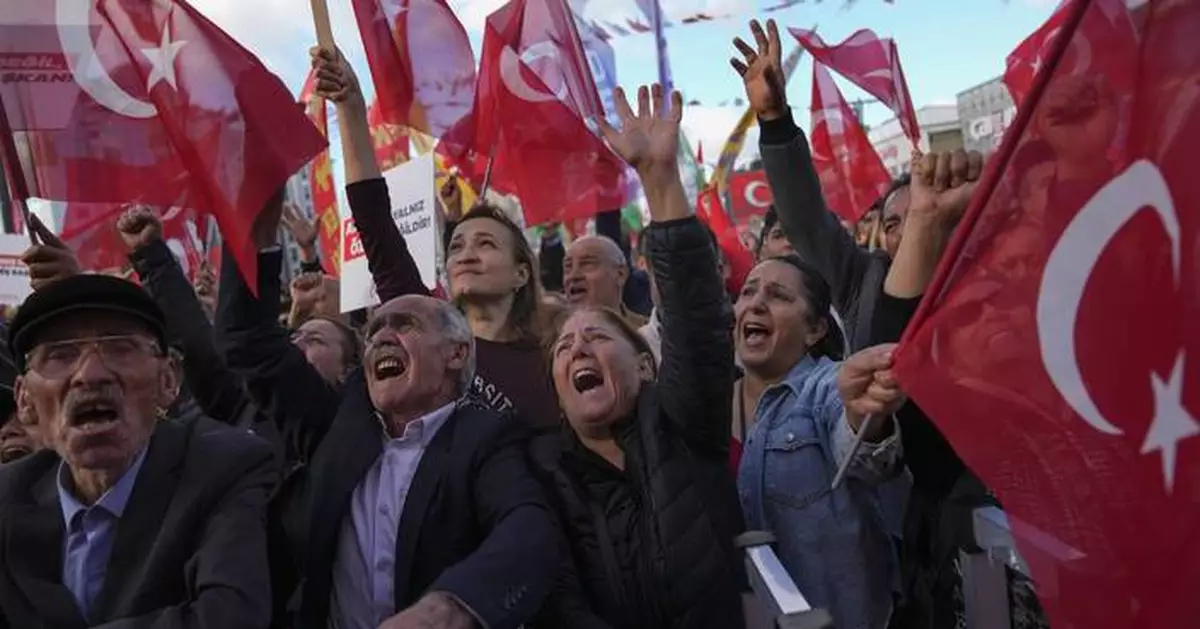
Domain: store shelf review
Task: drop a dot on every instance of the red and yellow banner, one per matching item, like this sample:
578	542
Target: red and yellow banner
391	140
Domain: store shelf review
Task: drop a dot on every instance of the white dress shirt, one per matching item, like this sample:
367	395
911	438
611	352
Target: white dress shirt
365	565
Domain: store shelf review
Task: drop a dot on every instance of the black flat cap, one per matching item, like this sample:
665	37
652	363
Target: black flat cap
81	292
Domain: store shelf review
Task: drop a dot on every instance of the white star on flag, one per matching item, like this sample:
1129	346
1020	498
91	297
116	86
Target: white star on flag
1172	423
162	60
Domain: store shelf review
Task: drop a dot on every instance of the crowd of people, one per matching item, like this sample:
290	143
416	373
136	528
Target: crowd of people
571	439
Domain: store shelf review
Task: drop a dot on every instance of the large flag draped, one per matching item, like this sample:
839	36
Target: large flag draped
534	92
130	101
873	64
320	181
851	173
1057	348
421	62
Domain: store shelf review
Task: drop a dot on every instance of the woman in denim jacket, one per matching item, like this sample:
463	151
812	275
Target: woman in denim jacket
807	409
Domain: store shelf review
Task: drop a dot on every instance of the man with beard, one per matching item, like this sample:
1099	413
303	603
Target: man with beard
125	519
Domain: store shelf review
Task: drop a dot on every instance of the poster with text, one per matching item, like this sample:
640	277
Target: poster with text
14	275
411	189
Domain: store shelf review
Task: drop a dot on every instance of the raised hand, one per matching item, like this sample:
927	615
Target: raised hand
308	290
762	71
206	287
50	261
139	226
867	386
302	230
336	81
451	196
942	184
649	139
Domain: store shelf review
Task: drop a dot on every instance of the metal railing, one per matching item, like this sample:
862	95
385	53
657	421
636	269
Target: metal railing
985	576
777	602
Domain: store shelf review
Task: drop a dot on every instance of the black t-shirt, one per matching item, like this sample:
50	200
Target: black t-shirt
512	376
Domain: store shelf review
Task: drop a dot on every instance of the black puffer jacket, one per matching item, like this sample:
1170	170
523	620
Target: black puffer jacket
662	556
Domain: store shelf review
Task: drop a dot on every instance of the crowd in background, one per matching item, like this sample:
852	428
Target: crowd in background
571	438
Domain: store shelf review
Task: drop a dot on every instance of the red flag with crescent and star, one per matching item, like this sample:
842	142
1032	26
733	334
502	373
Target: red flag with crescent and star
320	181
534	92
129	101
851	173
749	195
1057	347
873	64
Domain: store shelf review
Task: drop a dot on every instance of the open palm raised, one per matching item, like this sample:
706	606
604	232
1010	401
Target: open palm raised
649	139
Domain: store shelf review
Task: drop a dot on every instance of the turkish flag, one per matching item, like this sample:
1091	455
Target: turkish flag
124	101
739	259
851	173
873	64
320	181
534	91
749	195
421	62
1057	348
1024	62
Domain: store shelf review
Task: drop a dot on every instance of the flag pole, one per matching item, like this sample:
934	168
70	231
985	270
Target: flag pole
320	13
15	175
487	173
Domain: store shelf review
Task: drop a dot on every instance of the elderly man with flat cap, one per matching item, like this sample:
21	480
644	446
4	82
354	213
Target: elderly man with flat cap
126	519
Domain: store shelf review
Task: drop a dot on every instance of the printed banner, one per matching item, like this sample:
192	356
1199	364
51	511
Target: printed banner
14	275
411	188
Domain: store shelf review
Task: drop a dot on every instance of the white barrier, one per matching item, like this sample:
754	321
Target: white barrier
780	603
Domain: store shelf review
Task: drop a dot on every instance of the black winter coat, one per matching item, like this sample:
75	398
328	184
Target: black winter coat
651	546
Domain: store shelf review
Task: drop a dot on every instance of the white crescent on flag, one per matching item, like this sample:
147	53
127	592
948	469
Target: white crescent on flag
73	18
1067	271
514	81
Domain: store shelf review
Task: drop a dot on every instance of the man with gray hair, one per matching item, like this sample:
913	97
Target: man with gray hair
416	507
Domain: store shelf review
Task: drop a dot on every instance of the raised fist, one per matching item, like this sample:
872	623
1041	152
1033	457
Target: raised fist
139	226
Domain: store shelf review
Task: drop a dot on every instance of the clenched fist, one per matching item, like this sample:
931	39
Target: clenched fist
308	290
868	387
139	227
451	197
943	182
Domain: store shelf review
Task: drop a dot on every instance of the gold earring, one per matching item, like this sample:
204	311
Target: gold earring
161	413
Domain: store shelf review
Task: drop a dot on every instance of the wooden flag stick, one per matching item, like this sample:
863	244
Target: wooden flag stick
320	13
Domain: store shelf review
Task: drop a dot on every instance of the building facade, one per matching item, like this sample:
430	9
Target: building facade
940	131
299	194
986	111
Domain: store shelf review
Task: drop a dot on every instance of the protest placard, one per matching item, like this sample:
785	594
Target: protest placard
411	189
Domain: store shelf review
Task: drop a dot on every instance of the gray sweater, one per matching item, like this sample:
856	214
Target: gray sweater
855	275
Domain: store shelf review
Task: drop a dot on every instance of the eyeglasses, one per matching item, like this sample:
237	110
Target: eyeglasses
60	359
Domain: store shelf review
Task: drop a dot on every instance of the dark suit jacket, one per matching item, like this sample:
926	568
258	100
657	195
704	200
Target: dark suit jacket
189	551
475	522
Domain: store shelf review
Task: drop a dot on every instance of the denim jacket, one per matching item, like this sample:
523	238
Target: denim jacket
833	543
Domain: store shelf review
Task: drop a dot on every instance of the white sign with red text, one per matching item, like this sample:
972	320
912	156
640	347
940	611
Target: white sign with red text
411	189
14	275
